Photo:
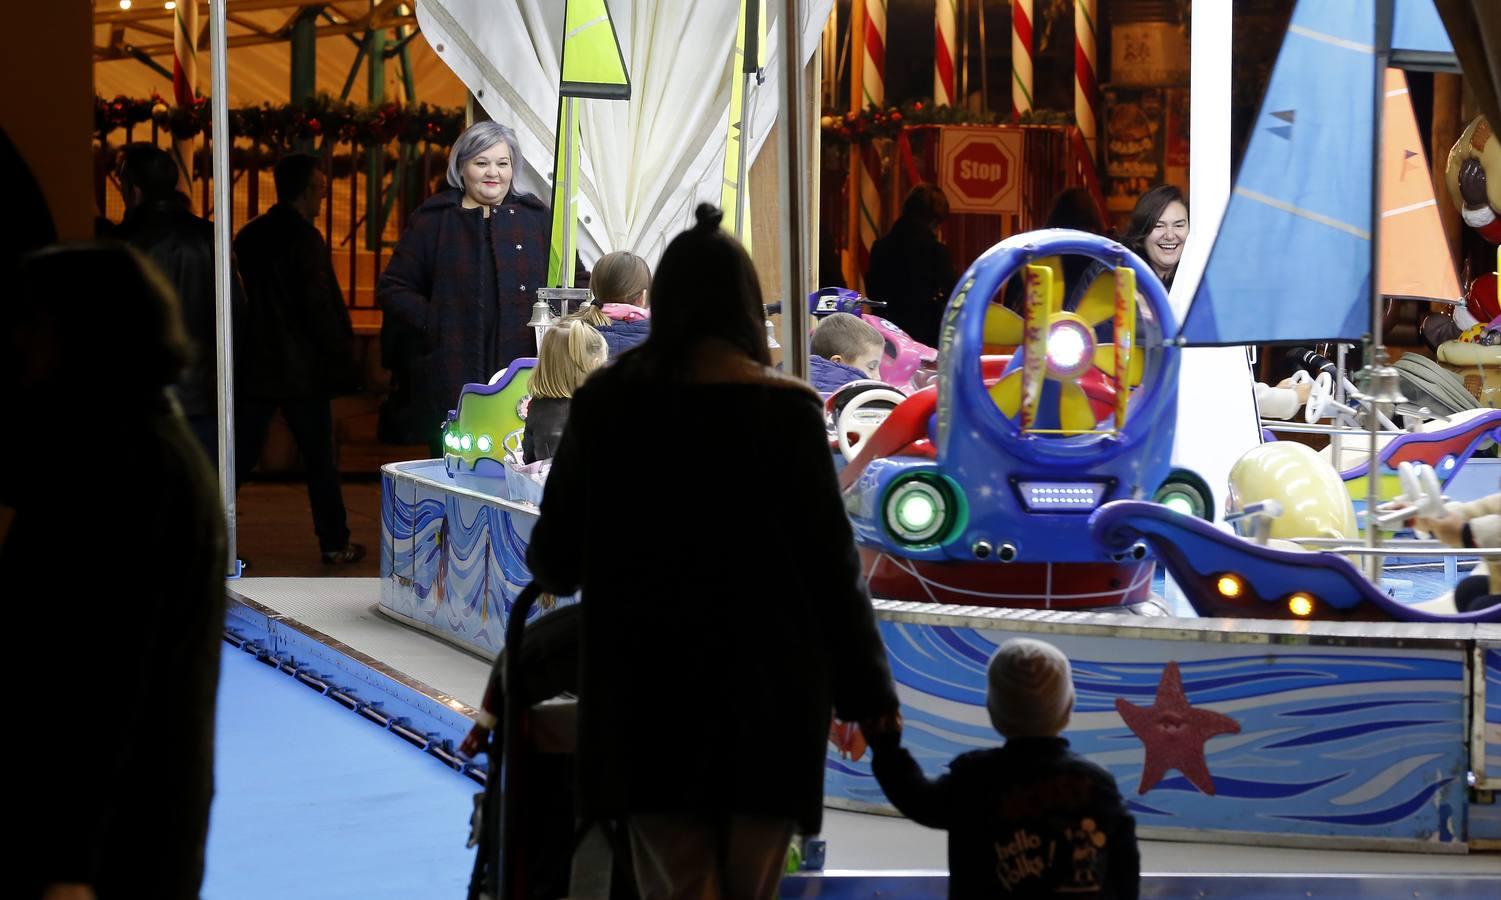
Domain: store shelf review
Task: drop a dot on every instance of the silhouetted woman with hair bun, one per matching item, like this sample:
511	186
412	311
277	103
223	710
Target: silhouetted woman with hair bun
708	671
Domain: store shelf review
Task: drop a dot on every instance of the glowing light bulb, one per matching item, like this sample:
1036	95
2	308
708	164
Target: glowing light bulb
466	442
1179	503
916	511
125	4
169	5
1300	604
1066	348
1229	586
484	443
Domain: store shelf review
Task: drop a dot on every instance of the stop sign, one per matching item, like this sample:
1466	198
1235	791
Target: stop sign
980	169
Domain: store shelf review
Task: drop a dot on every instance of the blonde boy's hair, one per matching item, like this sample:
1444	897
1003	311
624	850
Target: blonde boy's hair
570	351
846	337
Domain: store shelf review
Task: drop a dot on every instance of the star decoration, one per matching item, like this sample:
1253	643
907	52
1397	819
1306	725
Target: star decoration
1174	733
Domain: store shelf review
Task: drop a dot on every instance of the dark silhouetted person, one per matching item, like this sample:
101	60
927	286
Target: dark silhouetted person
300	343
117	802
910	270
689	646
1031	819
159	221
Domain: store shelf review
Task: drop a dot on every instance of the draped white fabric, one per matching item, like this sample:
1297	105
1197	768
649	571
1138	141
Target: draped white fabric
647	161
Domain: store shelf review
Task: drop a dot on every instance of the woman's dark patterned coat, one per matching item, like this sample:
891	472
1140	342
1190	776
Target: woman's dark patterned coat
466	284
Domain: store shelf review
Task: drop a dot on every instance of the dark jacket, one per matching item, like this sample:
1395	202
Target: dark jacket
622	336
182	245
1027	820
827	376
466	283
546	417
708	678
123	799
300	342
910	271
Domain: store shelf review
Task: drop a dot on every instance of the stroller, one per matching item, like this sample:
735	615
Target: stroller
525	829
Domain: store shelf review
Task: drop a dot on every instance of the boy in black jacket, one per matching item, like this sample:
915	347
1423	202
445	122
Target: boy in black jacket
1030	819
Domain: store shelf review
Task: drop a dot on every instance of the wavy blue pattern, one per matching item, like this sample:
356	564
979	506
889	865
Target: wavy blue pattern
1380	816
1295	767
457	563
1351	707
1348	731
1260	790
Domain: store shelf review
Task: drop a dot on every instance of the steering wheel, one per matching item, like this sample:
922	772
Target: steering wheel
1320	393
862	415
511	443
1421	496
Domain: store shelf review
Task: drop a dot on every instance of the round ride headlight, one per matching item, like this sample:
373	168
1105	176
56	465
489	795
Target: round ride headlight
920	510
1070	347
1187	494
484	443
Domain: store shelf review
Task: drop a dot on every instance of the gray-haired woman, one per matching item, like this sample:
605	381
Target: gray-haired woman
459	289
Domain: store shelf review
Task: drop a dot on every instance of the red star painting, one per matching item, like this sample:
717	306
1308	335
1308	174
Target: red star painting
1174	733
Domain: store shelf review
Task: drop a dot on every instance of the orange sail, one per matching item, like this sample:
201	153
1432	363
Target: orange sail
1415	259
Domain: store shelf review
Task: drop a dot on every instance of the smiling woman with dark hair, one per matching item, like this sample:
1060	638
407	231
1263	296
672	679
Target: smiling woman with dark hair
1157	230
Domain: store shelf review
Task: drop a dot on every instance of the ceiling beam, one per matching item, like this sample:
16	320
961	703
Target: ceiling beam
251	40
239	20
157	11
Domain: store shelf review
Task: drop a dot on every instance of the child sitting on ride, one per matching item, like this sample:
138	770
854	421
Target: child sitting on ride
618	311
845	348
570	352
1282	400
1474	524
1031	818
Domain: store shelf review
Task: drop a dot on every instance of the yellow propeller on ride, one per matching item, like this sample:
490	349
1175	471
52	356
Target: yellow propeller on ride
1072	334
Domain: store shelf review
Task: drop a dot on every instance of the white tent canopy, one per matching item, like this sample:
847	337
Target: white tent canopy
649	161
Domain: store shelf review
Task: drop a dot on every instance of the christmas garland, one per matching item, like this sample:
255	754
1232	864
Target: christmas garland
873	122
282	126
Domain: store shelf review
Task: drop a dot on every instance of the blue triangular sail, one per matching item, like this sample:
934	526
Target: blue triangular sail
1292	260
1417	29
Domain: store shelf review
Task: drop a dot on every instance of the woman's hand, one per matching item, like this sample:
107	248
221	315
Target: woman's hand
475	741
889	724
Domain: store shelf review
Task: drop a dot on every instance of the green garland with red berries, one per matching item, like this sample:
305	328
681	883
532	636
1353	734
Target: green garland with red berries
320	117
873	122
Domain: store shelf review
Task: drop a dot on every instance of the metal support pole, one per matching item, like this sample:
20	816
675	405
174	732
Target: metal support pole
223	318
375	57
304	55
570	214
1383	45
792	167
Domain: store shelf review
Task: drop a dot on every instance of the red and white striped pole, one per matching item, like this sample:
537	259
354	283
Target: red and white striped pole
1021	57
185	85
865	167
943	52
1086	87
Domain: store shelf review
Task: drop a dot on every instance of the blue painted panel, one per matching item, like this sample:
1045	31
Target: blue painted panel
1357	742
458	562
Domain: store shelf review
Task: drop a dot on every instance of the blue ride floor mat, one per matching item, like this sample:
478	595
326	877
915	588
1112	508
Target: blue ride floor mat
313	801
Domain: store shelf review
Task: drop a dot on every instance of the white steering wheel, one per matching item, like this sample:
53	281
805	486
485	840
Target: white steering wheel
1421	496
862	416
1320	394
512	445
